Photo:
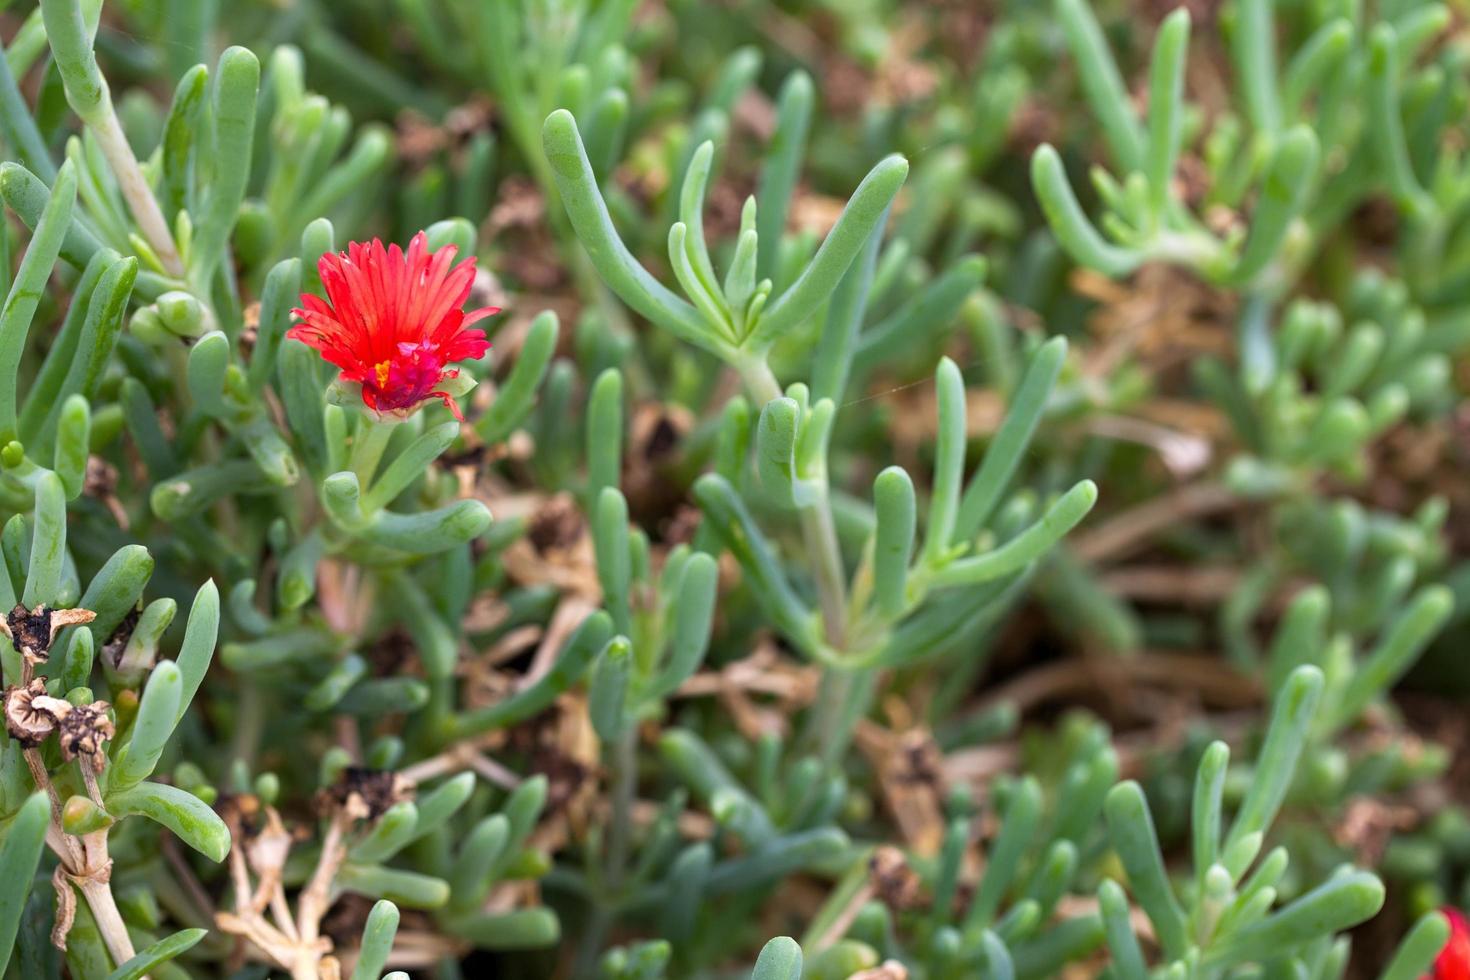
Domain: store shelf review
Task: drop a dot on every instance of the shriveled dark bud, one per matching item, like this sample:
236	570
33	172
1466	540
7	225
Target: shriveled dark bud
365	794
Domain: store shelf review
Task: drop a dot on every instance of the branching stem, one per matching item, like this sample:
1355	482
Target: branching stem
135	190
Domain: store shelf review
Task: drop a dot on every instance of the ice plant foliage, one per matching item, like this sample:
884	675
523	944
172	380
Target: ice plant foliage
393	321
768	513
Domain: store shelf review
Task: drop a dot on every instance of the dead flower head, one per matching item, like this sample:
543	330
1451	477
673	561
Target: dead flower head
113	647
82	732
894	882
365	794
31	714
242	813
31	632
258	827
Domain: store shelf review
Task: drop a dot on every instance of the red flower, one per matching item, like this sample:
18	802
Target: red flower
1454	960
392	322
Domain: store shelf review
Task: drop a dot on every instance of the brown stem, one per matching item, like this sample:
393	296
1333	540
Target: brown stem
307	965
109	921
89	777
61	842
281	913
240	878
457	758
92	875
43	781
185	876
311	905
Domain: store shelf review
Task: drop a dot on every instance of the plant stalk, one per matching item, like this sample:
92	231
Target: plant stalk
819	531
135	190
625	785
818	528
624	764
109	920
368	446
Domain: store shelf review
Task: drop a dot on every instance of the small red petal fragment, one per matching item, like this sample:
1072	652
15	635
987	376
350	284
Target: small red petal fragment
1454	960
